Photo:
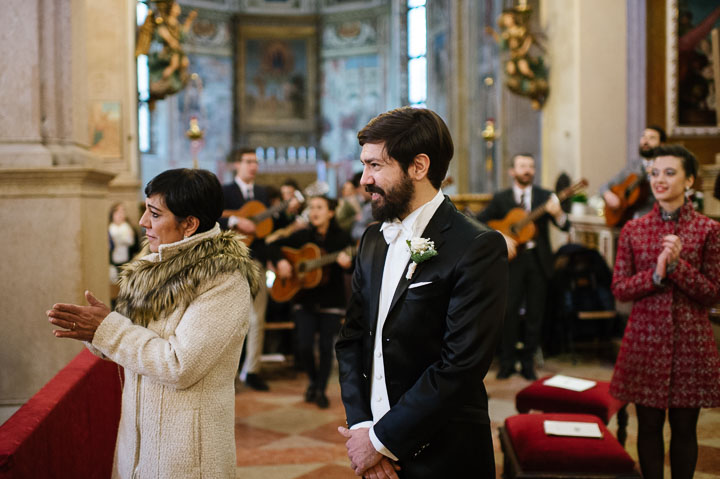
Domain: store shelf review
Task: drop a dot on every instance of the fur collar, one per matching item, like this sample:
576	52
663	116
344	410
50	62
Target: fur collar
172	279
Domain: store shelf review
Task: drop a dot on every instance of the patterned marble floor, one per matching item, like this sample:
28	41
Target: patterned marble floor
279	436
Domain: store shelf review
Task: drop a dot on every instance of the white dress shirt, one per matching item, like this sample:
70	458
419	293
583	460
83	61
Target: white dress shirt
396	264
523	197
245	188
247	191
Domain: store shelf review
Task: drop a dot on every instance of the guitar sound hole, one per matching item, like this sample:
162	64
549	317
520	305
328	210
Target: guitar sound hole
302	267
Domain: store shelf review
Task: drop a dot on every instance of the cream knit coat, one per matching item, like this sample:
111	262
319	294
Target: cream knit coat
178	399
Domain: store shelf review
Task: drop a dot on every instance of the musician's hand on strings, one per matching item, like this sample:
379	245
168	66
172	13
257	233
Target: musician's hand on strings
284	269
673	244
293	206
244	225
611	200
511	246
344	260
553	207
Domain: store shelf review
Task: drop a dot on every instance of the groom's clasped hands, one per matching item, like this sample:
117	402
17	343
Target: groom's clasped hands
364	459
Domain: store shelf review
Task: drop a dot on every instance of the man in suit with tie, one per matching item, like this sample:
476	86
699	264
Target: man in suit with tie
241	190
530	268
421	329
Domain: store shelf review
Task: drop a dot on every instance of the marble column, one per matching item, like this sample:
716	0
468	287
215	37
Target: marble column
53	189
584	124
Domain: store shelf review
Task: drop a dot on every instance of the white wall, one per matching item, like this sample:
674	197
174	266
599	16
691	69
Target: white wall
584	120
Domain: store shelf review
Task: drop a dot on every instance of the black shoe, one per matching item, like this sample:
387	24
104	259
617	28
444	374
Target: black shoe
505	372
528	372
311	394
256	382
322	401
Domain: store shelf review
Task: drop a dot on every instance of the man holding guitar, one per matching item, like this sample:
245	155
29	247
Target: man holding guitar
532	263
627	194
239	193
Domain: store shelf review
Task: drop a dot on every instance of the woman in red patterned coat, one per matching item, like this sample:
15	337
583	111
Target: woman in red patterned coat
668	263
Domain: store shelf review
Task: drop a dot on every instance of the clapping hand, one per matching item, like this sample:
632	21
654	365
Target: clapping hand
79	322
672	246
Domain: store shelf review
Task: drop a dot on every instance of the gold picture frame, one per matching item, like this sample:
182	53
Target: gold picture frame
684	118
277	78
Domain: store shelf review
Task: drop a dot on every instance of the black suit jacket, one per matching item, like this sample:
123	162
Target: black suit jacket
501	204
235	200
438	339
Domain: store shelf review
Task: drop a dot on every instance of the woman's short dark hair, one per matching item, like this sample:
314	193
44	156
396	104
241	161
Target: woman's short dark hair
688	160
408	132
331	202
190	193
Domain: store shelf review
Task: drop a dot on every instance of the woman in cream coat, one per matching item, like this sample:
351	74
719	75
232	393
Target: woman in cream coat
178	330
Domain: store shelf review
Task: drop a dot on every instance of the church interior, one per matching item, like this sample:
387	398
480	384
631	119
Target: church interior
87	120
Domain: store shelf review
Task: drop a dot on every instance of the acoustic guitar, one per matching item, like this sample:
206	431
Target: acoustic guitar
261	215
520	225
632	191
307	263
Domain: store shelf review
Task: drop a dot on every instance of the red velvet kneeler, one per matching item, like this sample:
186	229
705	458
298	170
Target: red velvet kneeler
596	401
68	429
529	452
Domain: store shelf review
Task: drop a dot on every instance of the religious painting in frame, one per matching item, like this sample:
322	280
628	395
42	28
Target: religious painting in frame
105	123
691	89
276	77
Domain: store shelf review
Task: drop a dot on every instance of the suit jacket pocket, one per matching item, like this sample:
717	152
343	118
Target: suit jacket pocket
425	291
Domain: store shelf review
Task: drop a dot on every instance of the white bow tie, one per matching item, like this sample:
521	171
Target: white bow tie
394	230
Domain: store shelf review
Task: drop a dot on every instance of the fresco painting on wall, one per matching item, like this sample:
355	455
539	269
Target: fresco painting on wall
692	91
105	125
212	105
352	95
276	75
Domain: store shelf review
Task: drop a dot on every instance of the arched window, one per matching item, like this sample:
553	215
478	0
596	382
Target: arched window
143	85
417	53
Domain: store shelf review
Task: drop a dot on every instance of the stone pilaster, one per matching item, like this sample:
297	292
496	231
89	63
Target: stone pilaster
53	189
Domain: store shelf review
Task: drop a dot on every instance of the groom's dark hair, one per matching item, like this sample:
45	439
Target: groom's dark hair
408	132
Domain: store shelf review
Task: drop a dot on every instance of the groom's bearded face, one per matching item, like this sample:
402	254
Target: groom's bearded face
394	200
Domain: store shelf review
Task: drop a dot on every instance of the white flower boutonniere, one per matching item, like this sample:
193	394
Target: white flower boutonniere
421	249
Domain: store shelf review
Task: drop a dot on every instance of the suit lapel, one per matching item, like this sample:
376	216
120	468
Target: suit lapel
379	253
433	231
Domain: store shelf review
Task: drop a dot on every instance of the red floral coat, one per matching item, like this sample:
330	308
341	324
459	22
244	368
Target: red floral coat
668	356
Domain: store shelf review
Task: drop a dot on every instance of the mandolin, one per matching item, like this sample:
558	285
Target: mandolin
519	224
632	191
307	263
261	215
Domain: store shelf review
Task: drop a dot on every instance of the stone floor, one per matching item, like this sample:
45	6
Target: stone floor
278	435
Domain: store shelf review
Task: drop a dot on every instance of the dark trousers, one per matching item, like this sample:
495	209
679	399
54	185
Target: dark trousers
326	326
529	284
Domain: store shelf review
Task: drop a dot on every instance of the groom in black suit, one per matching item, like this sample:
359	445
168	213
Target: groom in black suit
421	329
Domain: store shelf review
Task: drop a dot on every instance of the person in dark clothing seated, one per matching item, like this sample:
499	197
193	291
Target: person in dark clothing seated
320	309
